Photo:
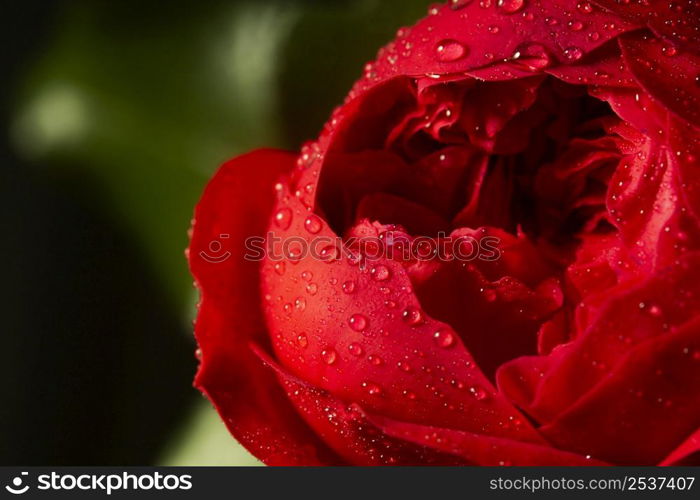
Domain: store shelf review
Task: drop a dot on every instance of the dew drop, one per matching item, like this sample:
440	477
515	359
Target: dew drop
575	25
280	267
479	393
585	7
655	311
329	356
357	322
302	340
670	51
380	273
450	50
307	276
329	253
409	395
372	388
312	288
295	252
313	224
511	6
283	218
404	366
356	349
300	304
459	4
444	338
375	360
532	57
412	315
573	53
348	286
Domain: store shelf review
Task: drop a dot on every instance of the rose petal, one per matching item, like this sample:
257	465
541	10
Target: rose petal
604	66
477	34
347	430
687	453
390	209
481	450
359	332
630	316
654	380
235	205
667	74
675	21
486	300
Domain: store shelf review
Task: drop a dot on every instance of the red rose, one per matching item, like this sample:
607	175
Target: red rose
518	281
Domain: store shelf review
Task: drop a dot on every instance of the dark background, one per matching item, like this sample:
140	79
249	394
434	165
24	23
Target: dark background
114	115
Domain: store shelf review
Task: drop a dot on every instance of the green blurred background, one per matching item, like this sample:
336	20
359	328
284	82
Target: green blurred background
114	116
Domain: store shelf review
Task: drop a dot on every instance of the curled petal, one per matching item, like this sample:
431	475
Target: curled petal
670	76
244	393
619	419
481	450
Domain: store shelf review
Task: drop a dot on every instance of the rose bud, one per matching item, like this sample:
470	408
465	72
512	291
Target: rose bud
490	256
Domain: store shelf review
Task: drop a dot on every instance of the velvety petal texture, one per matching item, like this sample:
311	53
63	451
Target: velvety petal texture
490	256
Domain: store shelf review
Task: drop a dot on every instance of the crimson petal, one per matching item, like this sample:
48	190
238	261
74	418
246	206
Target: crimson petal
235	206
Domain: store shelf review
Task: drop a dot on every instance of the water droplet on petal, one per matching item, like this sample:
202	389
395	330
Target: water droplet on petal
357	322
313	224
307	275
478	392
355	349
329	356
532	57
283	218
450	50
459	4
380	273
669	51
585	7
302	340
300	304
329	253
412	315
372	388
280	267
404	366
312	288
348	286
409	395
511	6
375	360
444	338
573	53
575	25
655	311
